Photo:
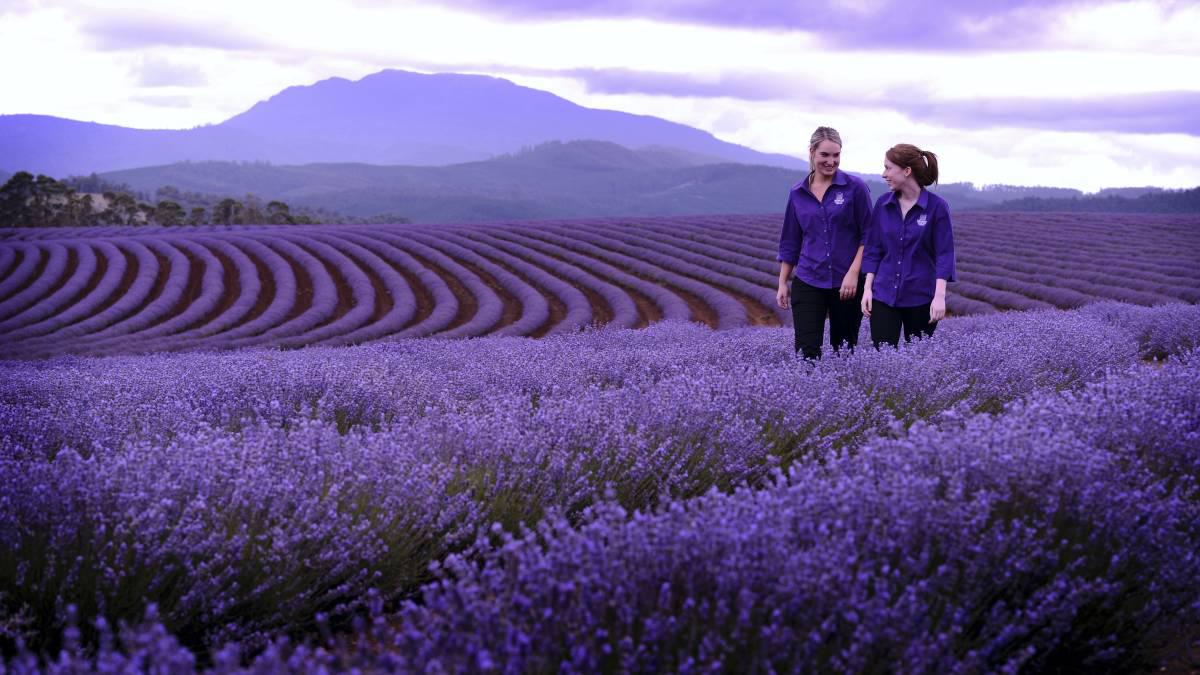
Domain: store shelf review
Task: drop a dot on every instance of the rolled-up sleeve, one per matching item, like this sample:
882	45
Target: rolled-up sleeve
789	238
943	244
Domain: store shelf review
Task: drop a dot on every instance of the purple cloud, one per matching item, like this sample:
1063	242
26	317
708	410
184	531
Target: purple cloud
136	32
623	81
1149	113
153	72
916	25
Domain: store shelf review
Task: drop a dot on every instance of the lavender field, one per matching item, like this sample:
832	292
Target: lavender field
104	291
1020	493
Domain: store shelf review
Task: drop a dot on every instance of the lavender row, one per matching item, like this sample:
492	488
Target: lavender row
578	308
631	273
488	307
1065	293
670	304
8	261
751	265
69	288
535	310
23	273
445	304
396	289
285	285
248	283
152	304
686	267
1116	277
89	304
55	267
362	300
661	268
624	309
210	293
121	303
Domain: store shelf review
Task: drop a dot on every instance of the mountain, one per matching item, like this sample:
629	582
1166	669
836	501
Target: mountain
390	117
574	179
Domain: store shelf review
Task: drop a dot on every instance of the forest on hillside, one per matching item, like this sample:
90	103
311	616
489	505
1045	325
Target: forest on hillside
83	201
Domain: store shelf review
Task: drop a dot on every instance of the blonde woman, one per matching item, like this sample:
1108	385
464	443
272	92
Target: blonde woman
821	248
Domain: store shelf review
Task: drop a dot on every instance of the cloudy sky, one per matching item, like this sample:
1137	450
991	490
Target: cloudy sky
1046	92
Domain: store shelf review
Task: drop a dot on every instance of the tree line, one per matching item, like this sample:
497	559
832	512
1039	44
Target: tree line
1159	201
83	201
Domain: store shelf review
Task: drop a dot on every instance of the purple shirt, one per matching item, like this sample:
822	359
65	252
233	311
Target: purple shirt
822	237
909	254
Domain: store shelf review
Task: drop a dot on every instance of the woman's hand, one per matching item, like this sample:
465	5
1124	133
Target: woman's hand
866	301
937	309
783	296
849	285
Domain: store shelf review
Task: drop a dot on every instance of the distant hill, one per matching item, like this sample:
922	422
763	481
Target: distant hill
392	117
578	178
551	180
1153	200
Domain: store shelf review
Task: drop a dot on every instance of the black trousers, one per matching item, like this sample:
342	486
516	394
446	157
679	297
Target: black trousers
810	305
886	322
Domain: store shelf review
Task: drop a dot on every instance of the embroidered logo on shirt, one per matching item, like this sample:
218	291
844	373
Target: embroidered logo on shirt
839	200
922	220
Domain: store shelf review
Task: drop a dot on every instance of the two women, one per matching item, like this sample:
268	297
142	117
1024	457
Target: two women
840	257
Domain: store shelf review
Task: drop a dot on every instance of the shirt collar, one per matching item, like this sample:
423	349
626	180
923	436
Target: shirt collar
922	199
840	179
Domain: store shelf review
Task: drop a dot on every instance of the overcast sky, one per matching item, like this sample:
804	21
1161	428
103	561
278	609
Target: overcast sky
1071	94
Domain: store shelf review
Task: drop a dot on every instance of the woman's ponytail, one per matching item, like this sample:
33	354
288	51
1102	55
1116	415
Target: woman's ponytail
923	163
930	175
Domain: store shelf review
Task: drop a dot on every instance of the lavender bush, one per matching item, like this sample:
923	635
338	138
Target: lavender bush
244	494
1033	540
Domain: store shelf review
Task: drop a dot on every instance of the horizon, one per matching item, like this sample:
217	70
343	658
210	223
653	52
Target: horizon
1063	94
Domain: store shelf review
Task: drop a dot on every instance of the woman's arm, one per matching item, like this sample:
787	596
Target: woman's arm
789	254
783	294
937	309
943	251
867	295
850	281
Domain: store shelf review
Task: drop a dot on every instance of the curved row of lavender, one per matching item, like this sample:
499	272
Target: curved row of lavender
137	290
1020	491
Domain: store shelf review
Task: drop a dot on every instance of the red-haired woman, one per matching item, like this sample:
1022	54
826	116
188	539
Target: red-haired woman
820	249
909	255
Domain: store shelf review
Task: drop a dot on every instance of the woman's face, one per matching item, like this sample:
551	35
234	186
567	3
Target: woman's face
826	157
894	175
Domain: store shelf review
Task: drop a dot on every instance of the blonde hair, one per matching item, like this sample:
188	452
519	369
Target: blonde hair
821	134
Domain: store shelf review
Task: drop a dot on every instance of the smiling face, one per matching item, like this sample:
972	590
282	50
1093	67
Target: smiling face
825	158
895	175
